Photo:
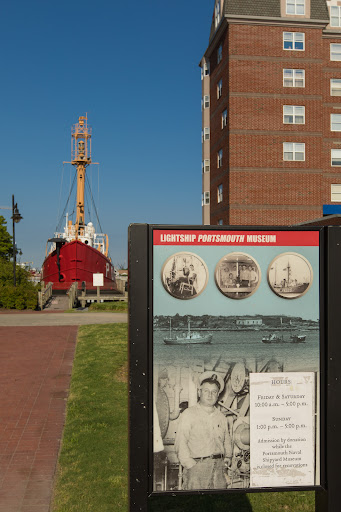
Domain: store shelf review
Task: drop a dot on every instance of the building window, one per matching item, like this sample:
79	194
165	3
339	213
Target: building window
205	134
224	119
293	78
217	13
335	193
335	86
335	122
219	193
335	51
336	157
293	41
335	16
220	53
219	89
205	102
220	222
293	114
205	70
293	151
295	7
205	198
205	165
220	158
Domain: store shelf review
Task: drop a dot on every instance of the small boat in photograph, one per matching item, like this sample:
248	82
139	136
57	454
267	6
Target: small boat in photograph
279	338
273	338
187	338
297	338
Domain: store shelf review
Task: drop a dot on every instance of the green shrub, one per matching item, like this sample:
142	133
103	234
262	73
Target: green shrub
19	300
32	298
23	296
7	296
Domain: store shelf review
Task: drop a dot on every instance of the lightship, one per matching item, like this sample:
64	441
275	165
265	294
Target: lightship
78	252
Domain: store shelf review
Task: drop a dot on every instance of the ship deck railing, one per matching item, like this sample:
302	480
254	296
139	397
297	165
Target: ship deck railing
72	293
106	296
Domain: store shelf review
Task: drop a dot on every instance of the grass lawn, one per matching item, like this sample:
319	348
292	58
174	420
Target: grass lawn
114	306
119	305
92	473
258	502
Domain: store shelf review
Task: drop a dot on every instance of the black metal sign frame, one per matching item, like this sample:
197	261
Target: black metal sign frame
141	361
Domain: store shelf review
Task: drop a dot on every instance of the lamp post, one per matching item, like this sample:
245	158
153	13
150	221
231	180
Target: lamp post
16	217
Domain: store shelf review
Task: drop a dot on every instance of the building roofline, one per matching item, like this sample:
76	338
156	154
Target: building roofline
322	221
280	19
331	33
216	36
265	20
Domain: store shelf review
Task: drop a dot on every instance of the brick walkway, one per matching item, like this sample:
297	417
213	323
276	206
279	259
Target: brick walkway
35	372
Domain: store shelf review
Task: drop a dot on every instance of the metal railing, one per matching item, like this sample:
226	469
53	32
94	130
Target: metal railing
44	295
85	297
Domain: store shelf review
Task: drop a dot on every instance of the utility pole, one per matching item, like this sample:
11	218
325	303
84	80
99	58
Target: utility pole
16	217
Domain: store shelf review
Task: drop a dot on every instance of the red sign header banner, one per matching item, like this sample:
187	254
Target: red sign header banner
225	238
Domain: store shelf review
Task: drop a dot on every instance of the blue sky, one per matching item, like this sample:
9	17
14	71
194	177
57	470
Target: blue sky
133	67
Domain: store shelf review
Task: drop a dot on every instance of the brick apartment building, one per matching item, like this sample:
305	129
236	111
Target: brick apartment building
271	112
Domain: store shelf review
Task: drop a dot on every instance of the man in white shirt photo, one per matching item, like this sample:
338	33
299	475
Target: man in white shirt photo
203	443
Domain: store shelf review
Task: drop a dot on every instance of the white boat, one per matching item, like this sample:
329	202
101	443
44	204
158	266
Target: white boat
276	338
187	338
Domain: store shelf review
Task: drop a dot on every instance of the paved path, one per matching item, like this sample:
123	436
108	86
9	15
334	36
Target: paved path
48	319
35	372
36	357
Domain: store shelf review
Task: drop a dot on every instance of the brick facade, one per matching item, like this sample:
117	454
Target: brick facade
259	185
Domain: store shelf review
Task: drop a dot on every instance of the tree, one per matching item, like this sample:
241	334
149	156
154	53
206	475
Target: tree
6	243
22	296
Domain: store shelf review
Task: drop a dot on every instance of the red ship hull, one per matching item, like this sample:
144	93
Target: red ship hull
78	262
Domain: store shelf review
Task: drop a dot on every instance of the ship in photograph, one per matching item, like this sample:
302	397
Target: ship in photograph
187	338
279	338
289	285
78	252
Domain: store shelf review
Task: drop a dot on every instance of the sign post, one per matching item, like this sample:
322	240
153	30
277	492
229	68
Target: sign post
98	281
227	331
328	497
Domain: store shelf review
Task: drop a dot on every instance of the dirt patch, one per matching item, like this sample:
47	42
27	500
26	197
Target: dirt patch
122	374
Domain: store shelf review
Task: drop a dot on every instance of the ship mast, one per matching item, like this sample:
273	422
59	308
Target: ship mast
288	268
80	158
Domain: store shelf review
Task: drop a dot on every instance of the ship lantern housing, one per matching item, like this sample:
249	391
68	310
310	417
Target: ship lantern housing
81	148
81	142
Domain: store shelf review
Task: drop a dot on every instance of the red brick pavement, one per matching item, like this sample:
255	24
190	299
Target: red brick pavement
35	372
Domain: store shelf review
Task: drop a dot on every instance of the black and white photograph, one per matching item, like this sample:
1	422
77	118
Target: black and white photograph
237	275
290	275
184	275
204	430
202	419
201	392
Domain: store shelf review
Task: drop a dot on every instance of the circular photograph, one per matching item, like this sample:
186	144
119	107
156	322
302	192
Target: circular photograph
290	275
184	275
237	275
